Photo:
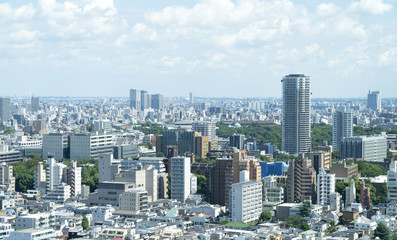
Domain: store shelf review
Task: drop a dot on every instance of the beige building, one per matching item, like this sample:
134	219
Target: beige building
301	181
344	171
7	179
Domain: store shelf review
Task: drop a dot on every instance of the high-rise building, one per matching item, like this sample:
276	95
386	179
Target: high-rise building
374	101
7	179
206	129
35	104
5	109
325	187
40	126
191	97
301	181
135	99
342	126
365	195
246	199
237	141
392	182
57	145
320	159
74	178
180	178
350	194
144	100
86	146
368	148
102	125
54	173
201	146
296	114
157	101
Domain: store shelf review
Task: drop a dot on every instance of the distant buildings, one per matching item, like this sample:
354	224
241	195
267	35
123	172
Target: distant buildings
296	114
374	101
5	109
35	104
392	182
135	99
342	126
368	148
87	146
206	129
237	141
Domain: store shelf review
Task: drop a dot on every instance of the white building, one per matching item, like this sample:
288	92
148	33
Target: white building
334	201
134	200
102	125
101	214
39	220
206	129
193	184
74	178
7	179
32	234
342	126
368	148
374	101
180	178
350	194
40	178
86	146
272	192
54	173
5	230
325	186
246	199
392	182
363	223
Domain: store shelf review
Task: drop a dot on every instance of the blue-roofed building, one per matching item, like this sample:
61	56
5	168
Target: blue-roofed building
273	168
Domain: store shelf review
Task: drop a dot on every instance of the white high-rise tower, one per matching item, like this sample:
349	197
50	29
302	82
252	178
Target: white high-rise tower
342	126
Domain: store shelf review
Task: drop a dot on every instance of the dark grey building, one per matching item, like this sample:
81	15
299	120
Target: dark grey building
157	101
5	109
236	141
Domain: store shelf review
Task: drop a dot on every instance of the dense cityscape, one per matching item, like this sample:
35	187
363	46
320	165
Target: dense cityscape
156	167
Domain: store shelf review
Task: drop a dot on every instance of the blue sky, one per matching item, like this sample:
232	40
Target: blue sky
210	47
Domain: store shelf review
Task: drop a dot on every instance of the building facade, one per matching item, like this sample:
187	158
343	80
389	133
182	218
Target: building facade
342	126
325	187
180	178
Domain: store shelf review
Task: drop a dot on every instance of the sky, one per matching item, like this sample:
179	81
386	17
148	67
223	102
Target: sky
213	48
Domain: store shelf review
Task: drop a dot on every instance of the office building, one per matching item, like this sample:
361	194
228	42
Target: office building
32	234
325	187
180	178
7	179
272	192
5	110
344	171
237	141
350	194
102	197
9	156
135	99
157	101
86	146
320	159
102	126
107	168
133	200
206	129
56	145
368	148
342	126
374	101
392	182
40	126
201	146
301	181
246	199
125	151
35	104
272	168
296	114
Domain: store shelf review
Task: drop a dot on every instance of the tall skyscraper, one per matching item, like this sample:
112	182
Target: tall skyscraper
35	104
374	101
301	181
237	141
342	127
5	109
296	114
144	100
135	99
157	101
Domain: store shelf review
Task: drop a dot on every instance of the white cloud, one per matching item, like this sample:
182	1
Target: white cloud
350	26
326	9
23	35
387	57
371	6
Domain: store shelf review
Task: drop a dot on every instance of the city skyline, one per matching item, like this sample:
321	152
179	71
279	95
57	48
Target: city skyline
98	48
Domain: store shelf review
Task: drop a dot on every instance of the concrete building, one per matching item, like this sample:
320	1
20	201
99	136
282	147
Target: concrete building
9	156
344	171
180	178
86	146
325	187
320	159
102	126
125	151
40	126
392	182
7	179
134	200
374	101
144	100
135	99
201	146
246	199
74	178
35	104
365	196
57	145
206	129
157	101
32	234
342	126
272	168
40	178
296	114
5	110
108	193
107	168
272	192
38	220
301	181
350	194
237	141
55	173
368	148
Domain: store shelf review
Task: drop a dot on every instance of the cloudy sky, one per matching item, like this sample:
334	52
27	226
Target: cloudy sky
239	48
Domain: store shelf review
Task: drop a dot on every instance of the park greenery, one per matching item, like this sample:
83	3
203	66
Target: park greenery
5	129
150	128
376	197
382	232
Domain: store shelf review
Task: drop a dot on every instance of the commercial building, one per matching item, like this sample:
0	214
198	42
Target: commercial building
392	182
7	179
86	146
135	99
56	145
271	191
325	187
246	199
180	178
368	148
125	151
374	101
134	200
145	100
344	171
342	126
5	110
301	181
40	126
206	129
108	193
296	114
102	126
320	159
9	156
237	141
201	146
272	168
35	104
157	101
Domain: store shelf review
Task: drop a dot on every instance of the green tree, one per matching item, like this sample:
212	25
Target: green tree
305	209
160	154
265	216
294	221
394	237
84	223
332	228
202	185
370	169
382	231
304	226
